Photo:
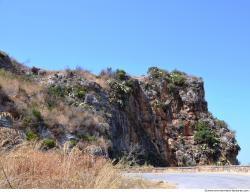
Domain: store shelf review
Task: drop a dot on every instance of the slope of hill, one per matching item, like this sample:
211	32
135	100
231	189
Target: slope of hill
161	119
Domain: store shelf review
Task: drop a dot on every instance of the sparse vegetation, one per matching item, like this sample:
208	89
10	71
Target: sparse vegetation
175	79
88	138
119	91
221	124
57	91
107	73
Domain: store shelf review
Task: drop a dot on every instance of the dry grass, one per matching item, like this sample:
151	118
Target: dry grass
12	84
27	167
72	118
9	138
30	168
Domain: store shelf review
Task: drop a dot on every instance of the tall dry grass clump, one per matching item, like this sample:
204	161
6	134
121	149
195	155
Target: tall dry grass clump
11	84
29	168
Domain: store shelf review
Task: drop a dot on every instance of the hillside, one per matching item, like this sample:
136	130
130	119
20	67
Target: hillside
161	119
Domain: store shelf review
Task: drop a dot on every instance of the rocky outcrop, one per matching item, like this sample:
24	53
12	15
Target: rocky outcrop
164	116
161	119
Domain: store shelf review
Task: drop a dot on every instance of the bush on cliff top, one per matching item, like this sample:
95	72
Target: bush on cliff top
120	74
155	72
177	78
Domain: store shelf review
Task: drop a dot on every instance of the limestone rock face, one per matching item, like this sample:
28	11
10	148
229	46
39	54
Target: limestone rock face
163	119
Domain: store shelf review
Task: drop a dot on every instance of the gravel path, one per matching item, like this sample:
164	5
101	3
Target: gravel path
200	180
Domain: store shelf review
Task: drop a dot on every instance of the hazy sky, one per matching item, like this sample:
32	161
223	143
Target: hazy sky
208	38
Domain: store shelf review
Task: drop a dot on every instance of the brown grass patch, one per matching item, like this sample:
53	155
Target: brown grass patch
12	84
27	167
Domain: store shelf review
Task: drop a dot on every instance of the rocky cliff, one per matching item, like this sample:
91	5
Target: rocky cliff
161	118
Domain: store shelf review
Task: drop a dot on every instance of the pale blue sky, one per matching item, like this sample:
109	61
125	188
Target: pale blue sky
208	38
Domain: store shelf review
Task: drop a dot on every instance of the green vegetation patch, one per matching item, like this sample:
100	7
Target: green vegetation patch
49	143
205	135
178	78
37	114
31	136
155	72
73	143
120	74
119	91
80	92
57	90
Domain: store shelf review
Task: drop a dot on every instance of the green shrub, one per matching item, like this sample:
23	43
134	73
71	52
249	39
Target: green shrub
178	78
130	83
81	92
57	90
31	136
37	114
156	72
205	135
73	143
49	143
120	74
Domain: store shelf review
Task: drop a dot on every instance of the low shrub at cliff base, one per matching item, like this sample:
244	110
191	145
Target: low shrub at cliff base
205	135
